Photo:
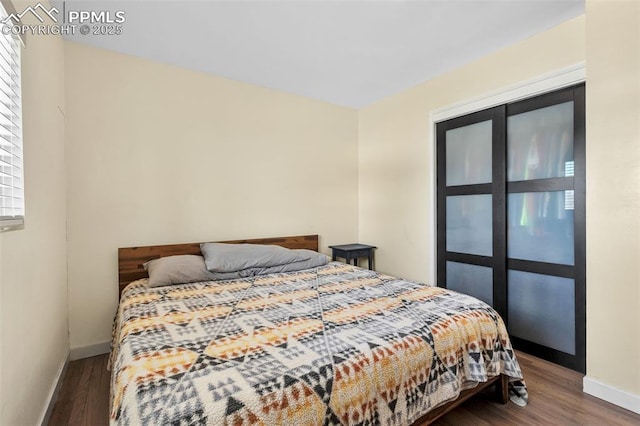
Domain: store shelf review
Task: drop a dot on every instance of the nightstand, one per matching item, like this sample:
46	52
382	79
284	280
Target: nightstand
352	252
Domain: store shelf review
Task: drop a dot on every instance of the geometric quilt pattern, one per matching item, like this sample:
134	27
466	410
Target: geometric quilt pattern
335	344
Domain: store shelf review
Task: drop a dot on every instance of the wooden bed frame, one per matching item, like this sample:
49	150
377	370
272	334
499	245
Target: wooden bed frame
131	259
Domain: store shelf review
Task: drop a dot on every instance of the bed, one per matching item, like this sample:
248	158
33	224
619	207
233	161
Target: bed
334	344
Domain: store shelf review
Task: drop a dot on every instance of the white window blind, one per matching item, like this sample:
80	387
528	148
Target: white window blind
11	164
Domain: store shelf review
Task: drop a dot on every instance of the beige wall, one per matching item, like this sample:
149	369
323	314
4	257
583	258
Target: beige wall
397	188
33	276
396	154
159	154
613	193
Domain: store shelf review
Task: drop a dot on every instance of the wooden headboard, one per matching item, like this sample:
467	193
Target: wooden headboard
130	259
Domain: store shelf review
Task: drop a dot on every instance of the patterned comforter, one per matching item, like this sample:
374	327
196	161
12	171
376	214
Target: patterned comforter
332	345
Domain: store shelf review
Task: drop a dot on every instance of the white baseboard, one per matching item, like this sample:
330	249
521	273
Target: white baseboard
53	393
610	394
89	351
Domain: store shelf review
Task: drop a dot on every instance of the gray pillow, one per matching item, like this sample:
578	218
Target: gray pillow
315	259
220	257
185	268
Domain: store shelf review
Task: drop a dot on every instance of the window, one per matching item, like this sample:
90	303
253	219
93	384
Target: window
11	164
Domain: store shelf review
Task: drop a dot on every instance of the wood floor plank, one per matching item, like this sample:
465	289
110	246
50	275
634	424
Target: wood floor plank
555	398
82	390
102	406
92	410
62	408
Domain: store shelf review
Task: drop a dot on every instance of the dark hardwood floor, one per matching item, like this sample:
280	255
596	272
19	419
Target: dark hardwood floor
555	398
84	395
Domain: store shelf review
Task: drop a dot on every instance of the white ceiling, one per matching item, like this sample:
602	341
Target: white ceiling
349	53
